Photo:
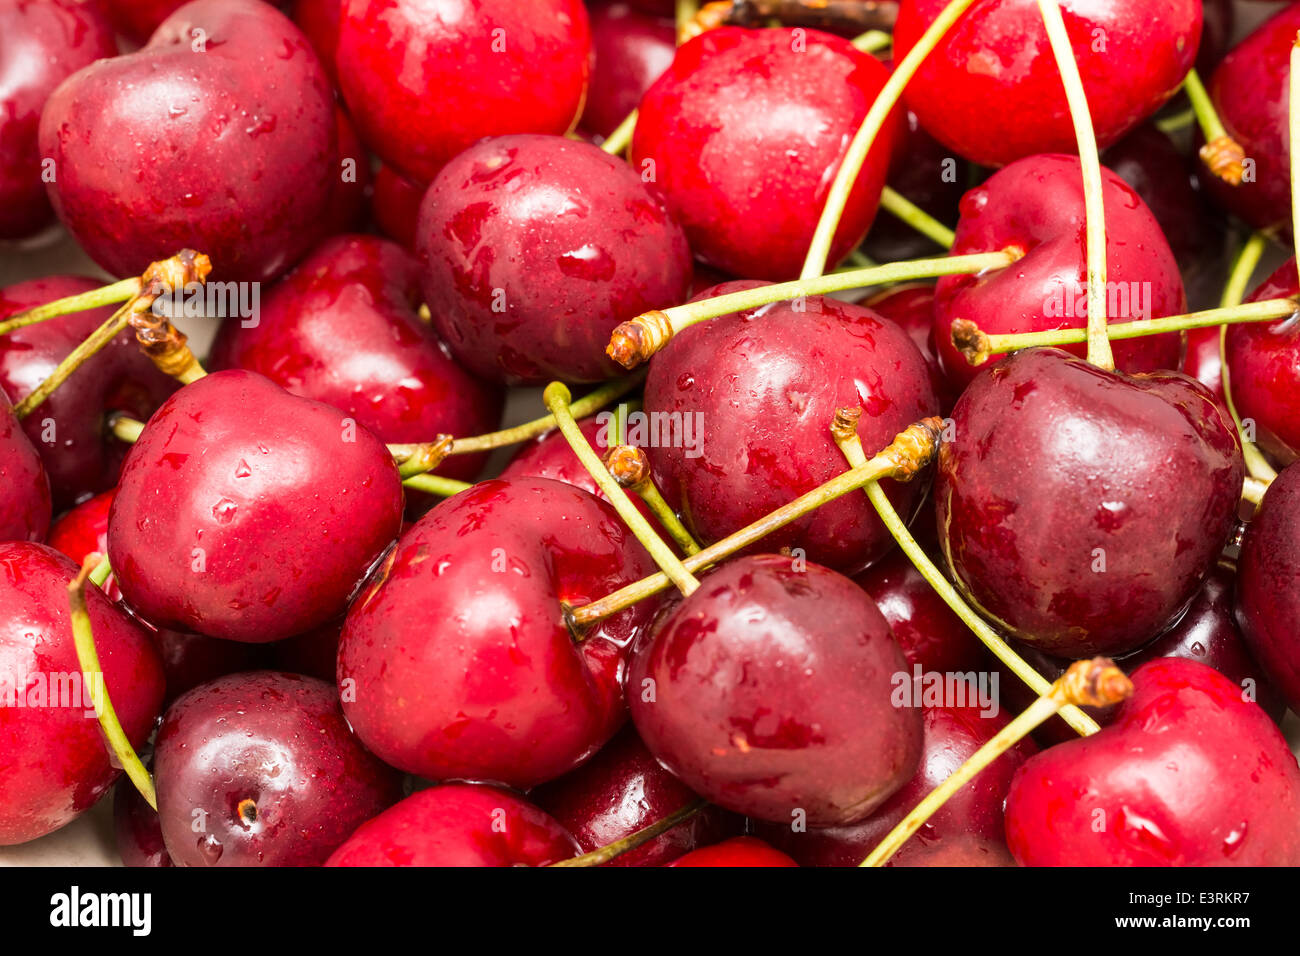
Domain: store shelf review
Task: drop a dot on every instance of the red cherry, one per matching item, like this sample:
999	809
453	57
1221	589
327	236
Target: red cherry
740	133
630	50
320	20
425	80
41	44
1080	508
137	829
228	149
1189	774
965	831
25	509
284	784
622	790
757	390
395	205
350	187
991	89
911	306
314	653
137	19
535	248
499	690
738	851
807	727
342	329
57	764
83	532
247	513
70	428
458	824
1216	34
1036	204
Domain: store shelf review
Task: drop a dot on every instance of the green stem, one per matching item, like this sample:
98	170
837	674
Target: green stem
663	512
125	429
898	205
621	138
435	485
92	345
1180	120
604	854
873	41
1234	290
1208	118
101	572
105	295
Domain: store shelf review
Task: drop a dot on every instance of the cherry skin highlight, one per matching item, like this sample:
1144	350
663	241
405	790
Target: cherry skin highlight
248	513
25	509
57	764
284	785
738	851
535	247
426	79
741	134
458	824
1187	775
1080	509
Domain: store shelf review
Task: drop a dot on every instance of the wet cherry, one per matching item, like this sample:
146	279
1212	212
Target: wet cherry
738	851
630	50
25	508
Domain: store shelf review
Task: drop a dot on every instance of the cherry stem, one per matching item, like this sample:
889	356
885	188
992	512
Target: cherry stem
1093	683
1252	489
619	140
125	429
1221	153
556	396
105	295
83	638
911	450
844	431
604	854
413	460
634	342
845	177
898	205
978	347
873	41
686	13
1234	290
629	466
436	485
1180	120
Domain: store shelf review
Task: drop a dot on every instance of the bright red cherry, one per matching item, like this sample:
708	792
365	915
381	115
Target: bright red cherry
1189	774
222	140
458	824
738	851
1080	509
25	509
56	763
1036	205
535	248
991	89
807	727
320	21
630	50
742	134
342	329
248	513
499	690
427	78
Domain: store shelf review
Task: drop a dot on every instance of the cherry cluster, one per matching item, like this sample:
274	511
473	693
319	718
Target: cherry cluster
867	538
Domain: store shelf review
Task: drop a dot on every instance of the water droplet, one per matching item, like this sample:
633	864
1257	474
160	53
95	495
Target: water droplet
210	849
242	470
224	511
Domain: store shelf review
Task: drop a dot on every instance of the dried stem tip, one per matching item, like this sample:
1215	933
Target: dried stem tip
1093	683
971	341
844	426
634	342
158	338
913	448
848	16
1225	158
628	465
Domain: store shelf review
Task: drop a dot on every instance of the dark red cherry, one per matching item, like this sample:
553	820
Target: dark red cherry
137	19
630	50
261	769
535	247
314	653
966	831
499	690
222	140
911	306
738	851
1036	205
319	20
623	789
1080	509
744	404
248	513
350	185
57	764
1217	28
425	80
25	509
991	89
137	829
342	329
395	205
1203	359
1189	774
41	44
70	428
807	727
742	134
1264	370
1267	572
458	824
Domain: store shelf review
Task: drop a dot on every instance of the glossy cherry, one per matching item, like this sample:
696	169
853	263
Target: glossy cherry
806	726
742	132
282	785
498	690
1189	774
137	829
41	44
70	428
630	49
342	329
535	247
738	851
25	509
1080	509
320	21
911	306
991	89
248	513
57	764
395	205
755	393
222	141
1036	205
426	79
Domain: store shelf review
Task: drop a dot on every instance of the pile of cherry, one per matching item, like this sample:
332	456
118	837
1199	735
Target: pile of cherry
328	654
